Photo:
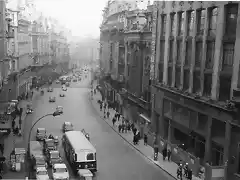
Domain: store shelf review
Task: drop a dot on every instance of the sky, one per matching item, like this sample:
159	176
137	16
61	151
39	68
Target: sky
83	17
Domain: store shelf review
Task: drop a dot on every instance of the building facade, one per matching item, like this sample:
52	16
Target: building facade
194	72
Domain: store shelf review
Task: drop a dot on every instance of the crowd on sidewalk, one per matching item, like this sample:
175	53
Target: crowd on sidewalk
123	125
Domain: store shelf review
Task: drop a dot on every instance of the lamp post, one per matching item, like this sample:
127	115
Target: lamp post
56	113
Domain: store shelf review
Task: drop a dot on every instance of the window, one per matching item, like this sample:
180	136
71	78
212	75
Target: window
181	23
228	55
190	22
162	50
207	85
160	75
169	76
186	79
171	51
224	89
210	55
188	53
179	52
231	19
164	21
198	58
196	82
178	77
173	24
90	156
200	21
213	21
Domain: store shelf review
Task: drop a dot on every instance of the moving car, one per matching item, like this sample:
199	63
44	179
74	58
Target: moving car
50	89
85	174
59	109
67	126
57	81
37	159
60	171
53	157
64	88
29	109
52	99
42	173
62	95
74	80
41	134
67	84
49	145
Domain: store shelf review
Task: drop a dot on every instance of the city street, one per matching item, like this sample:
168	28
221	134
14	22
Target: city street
116	159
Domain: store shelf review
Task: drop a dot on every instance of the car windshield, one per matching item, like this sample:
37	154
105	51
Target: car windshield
40	162
50	143
54	155
42	173
59	170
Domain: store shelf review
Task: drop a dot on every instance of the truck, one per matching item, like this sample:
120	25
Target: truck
36	155
5	119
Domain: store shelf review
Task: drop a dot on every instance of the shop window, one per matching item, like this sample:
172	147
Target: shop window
188	53
164	22
160	76
178	77
210	55
181	139
173	24
171	51
198	58
207	85
200	21
225	88
231	19
196	82
186	80
190	23
179	52
217	155
228	55
162	50
213	13
169	80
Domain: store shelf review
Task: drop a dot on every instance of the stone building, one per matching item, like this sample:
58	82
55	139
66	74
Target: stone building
195	81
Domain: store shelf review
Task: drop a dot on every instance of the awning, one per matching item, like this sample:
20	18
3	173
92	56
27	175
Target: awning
145	118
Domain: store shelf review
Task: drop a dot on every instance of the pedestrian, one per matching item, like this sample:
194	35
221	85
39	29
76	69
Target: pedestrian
13	124
145	139
105	106
186	169
164	153
118	116
101	107
169	153
123	127
119	128
179	172
189	177
114	121
134	131
108	114
134	139
138	136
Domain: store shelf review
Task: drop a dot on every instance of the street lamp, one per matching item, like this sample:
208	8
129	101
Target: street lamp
56	113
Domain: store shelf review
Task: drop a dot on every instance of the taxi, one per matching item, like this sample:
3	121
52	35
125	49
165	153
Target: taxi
52	99
42	173
41	134
60	171
67	126
85	174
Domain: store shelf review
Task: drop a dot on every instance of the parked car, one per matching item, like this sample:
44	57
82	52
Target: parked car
52	99
41	134
50	89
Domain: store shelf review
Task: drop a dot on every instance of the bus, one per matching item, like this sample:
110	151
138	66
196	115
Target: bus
80	153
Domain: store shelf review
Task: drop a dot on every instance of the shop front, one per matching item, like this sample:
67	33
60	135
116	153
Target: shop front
25	82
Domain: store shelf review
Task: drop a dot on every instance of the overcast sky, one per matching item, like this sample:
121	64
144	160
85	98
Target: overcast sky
83	17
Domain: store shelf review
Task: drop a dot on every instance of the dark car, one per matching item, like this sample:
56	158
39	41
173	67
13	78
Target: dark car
49	145
62	95
41	134
67	126
53	157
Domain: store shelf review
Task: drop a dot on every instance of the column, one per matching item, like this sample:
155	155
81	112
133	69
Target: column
204	52
166	53
217	54
175	49
227	146
193	55
208	144
236	72
184	45
126	61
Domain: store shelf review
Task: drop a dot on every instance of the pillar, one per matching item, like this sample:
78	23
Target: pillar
208	144
193	55
204	52
236	72
126	62
217	54
227	146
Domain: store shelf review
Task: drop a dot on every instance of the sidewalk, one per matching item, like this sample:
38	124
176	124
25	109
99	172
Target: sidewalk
147	151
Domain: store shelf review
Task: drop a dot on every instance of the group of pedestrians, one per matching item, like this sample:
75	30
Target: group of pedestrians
184	170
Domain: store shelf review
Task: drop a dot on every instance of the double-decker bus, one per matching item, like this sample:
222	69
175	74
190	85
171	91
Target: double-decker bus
80	153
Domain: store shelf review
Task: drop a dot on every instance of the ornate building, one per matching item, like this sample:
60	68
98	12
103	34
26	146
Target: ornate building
195	80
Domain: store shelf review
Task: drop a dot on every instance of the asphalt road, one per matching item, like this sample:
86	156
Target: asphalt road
116	159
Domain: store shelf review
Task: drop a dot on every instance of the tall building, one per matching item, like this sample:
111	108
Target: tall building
195	73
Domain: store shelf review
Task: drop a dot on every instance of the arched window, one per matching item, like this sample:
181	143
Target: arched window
90	156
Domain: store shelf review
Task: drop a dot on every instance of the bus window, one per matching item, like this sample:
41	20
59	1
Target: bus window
90	156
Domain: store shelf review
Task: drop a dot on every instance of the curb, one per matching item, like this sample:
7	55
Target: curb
129	142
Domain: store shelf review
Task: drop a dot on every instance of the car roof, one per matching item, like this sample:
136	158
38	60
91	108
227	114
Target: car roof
41	169
41	129
59	166
56	151
67	123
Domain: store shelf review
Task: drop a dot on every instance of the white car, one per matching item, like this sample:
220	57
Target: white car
64	88
42	173
60	171
59	109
